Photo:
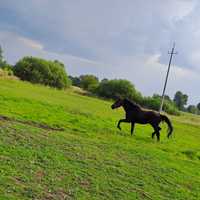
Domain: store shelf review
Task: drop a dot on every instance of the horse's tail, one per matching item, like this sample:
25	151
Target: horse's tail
170	127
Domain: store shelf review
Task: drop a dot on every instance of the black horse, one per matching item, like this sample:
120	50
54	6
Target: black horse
136	114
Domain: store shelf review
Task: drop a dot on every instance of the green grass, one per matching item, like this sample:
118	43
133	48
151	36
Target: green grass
90	159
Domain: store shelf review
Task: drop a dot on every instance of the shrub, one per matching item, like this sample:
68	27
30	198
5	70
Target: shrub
37	70
89	82
192	109
75	81
155	101
170	108
8	69
118	87
151	103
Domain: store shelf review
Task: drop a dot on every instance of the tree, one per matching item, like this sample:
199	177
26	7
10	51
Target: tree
7	68
37	70
166	97
60	63
104	80
198	106
180	100
1	55
192	109
89	82
2	61
154	103
75	81
118	87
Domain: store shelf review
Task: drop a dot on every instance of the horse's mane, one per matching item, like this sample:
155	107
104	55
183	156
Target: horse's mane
132	103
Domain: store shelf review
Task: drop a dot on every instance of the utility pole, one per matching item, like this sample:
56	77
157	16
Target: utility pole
166	79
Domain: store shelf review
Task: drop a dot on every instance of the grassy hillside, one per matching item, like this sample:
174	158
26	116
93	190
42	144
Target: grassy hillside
61	145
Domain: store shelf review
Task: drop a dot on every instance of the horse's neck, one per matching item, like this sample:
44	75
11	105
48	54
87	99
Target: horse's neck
125	107
128	107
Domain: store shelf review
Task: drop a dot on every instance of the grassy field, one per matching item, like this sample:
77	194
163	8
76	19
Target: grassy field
62	145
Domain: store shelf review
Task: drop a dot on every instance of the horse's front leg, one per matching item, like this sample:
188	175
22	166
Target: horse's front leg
121	120
132	127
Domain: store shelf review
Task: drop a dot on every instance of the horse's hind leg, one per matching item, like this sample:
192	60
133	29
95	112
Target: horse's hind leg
153	134
158	136
156	131
132	127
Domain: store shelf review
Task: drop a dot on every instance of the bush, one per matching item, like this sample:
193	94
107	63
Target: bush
155	101
192	109
118	87
8	69
170	108
41	71
89	82
151	103
75	81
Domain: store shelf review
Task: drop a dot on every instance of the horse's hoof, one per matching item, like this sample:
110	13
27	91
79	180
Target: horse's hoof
119	128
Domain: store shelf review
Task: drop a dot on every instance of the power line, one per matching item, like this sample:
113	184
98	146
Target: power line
166	79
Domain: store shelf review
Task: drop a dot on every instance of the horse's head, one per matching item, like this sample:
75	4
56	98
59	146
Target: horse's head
117	104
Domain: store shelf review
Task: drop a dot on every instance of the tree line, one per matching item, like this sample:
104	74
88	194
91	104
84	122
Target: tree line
111	89
53	74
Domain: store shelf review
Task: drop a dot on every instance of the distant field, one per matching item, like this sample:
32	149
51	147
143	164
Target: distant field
86	157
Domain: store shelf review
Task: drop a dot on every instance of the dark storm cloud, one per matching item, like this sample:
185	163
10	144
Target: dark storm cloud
114	38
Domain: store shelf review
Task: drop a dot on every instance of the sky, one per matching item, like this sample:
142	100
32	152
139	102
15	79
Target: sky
111	39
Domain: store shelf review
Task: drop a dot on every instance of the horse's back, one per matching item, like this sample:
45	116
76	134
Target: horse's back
137	114
148	116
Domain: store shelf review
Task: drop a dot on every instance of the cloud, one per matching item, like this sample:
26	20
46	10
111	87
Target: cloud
16	47
31	43
115	39
97	29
